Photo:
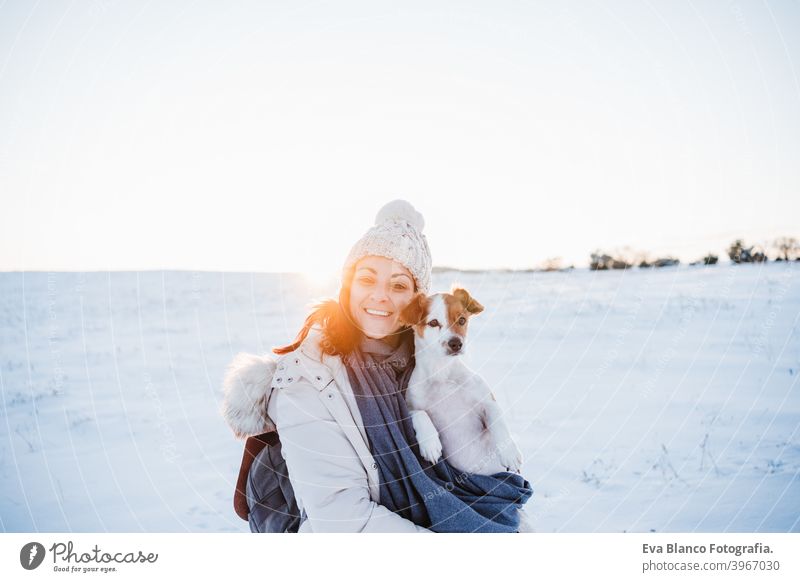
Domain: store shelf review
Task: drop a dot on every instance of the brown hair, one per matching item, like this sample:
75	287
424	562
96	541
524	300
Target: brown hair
340	335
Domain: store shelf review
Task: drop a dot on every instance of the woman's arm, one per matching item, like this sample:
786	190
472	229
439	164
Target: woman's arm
324	468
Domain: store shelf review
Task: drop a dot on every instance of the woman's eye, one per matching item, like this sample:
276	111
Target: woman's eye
461	321
365	281
433	323
400	287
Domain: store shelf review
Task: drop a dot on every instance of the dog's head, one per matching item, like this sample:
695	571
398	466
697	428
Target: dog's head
440	321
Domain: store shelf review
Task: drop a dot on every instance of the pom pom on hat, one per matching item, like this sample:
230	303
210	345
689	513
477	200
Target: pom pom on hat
400	210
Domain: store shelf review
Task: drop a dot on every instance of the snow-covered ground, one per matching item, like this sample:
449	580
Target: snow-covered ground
643	400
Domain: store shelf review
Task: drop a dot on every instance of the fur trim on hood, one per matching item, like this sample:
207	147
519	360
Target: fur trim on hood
247	385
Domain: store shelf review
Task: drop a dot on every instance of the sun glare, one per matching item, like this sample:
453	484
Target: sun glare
321	278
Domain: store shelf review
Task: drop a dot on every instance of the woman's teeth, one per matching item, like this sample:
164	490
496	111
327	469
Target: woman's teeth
377	312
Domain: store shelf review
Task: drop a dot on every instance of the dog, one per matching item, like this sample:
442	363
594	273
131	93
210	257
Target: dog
453	410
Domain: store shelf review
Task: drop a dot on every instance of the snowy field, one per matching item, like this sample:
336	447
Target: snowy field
643	400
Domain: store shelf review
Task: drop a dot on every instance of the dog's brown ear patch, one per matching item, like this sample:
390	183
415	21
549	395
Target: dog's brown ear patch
470	303
414	313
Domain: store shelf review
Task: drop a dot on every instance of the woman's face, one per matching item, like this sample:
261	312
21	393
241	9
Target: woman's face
381	288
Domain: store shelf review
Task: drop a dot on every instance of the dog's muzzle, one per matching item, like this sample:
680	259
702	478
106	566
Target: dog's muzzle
454	345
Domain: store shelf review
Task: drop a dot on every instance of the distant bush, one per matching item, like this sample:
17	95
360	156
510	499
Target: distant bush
709	259
666	262
787	247
738	253
735	250
599	261
643	260
603	262
661	262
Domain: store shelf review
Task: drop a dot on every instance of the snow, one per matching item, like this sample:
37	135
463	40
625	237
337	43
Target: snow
643	400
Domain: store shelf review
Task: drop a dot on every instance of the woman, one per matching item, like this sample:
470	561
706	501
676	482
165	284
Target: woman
336	399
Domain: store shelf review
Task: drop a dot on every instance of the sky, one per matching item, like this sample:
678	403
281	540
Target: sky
264	136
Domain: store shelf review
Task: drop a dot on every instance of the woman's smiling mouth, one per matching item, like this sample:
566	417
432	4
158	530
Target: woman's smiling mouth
377	312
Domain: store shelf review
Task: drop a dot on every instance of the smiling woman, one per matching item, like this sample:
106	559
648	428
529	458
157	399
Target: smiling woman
383	269
337	399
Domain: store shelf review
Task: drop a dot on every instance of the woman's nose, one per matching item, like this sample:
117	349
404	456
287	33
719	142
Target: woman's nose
379	294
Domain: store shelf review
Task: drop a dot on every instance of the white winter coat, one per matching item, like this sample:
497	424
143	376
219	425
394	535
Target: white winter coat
308	397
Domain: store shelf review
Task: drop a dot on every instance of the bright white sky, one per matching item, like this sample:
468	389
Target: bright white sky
266	135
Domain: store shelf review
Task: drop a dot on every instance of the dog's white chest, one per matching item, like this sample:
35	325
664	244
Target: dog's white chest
456	408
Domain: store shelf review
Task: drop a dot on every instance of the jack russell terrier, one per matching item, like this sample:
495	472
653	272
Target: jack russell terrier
452	408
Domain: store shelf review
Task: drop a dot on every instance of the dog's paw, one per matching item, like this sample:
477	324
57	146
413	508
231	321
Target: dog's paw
431	448
510	456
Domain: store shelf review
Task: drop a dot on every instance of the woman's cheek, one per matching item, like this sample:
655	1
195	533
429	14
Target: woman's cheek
403	298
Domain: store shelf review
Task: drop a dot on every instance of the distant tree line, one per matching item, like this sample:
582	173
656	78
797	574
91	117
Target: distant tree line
788	249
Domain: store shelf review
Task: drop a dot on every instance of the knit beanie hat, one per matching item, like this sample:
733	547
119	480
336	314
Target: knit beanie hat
397	235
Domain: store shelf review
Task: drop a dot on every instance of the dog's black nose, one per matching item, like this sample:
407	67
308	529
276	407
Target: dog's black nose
454	344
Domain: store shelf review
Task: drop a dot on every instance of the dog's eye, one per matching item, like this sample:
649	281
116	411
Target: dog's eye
462	320
434	323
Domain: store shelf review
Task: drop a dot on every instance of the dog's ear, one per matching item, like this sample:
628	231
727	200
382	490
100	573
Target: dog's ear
470	303
415	311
